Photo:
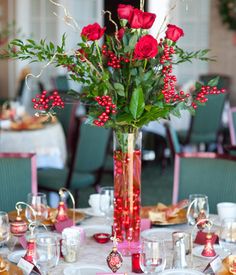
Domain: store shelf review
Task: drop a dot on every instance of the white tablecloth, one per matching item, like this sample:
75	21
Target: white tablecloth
93	253
48	143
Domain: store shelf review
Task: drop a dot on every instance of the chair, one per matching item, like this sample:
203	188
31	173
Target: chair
61	83
206	125
172	140
205	173
18	177
232	125
86	166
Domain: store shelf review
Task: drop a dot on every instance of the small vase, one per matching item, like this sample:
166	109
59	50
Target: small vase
127	190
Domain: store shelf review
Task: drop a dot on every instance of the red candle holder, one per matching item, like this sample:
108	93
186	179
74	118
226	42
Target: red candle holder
102	237
136	263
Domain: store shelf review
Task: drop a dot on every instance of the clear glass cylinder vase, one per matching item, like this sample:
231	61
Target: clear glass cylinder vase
127	189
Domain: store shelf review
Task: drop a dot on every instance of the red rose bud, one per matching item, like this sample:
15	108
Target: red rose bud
120	33
125	11
173	32
148	20
136	21
146	47
93	32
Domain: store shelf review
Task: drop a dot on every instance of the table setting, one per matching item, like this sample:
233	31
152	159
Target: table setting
85	242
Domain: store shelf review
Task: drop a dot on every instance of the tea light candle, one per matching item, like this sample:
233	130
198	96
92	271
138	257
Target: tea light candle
102	237
136	263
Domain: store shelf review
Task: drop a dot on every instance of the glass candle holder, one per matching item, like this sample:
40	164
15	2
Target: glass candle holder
136	263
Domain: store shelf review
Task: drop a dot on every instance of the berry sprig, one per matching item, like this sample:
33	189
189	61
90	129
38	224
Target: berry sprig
204	91
45	101
110	108
113	60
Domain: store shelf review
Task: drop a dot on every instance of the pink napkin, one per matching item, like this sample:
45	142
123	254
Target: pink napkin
59	226
145	224
201	238
22	241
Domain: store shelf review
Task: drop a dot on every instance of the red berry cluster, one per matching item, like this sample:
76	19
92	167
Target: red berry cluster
110	108
113	60
46	102
169	92
206	90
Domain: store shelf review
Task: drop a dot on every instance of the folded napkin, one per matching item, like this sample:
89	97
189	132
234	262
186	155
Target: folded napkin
201	238
59	226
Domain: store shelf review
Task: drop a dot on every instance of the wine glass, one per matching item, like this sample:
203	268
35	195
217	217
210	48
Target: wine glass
198	205
227	235
107	202
152	256
38	210
4	230
47	251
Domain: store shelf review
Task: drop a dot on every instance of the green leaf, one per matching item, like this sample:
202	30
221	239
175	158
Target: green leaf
198	86
213	82
137	104
119	89
133	40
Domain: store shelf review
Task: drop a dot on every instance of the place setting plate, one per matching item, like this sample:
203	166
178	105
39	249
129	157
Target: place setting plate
15	256
181	272
79	216
84	270
222	253
90	212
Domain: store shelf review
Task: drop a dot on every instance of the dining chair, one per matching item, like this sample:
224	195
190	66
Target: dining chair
61	83
172	140
87	162
206	125
232	125
18	177
205	173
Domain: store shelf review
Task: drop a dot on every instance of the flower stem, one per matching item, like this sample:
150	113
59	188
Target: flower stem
99	54
145	64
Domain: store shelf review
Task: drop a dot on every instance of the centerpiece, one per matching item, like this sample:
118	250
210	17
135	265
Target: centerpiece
128	81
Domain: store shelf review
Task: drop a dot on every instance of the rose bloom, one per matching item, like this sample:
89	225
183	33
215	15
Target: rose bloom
93	32
140	19
125	11
146	47
173	32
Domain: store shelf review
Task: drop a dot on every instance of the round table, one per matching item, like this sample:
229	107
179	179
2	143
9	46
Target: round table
48	143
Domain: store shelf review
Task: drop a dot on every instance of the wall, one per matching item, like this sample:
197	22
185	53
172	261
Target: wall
3	63
221	43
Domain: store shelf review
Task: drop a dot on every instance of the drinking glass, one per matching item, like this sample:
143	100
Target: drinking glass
4	232
38	202
227	235
47	251
152	256
198	205
107	202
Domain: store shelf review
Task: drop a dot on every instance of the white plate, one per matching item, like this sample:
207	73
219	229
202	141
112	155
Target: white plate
181	272
84	270
90	230
15	256
90	212
159	233
219	251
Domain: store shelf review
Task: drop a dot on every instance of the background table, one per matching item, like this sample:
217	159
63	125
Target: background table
48	143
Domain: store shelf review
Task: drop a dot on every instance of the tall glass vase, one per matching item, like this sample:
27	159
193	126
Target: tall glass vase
127	189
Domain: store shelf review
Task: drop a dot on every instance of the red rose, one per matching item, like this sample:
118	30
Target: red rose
146	47
93	32
140	19
148	20
136	21
120	33
125	11
174	33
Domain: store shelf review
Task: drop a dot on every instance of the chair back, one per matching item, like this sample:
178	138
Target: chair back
205	173
18	177
173	140
232	125
206	123
92	148
61	83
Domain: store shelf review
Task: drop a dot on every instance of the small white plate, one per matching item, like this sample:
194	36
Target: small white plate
159	233
15	256
181	272
90	230
84	270
218	249
90	212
